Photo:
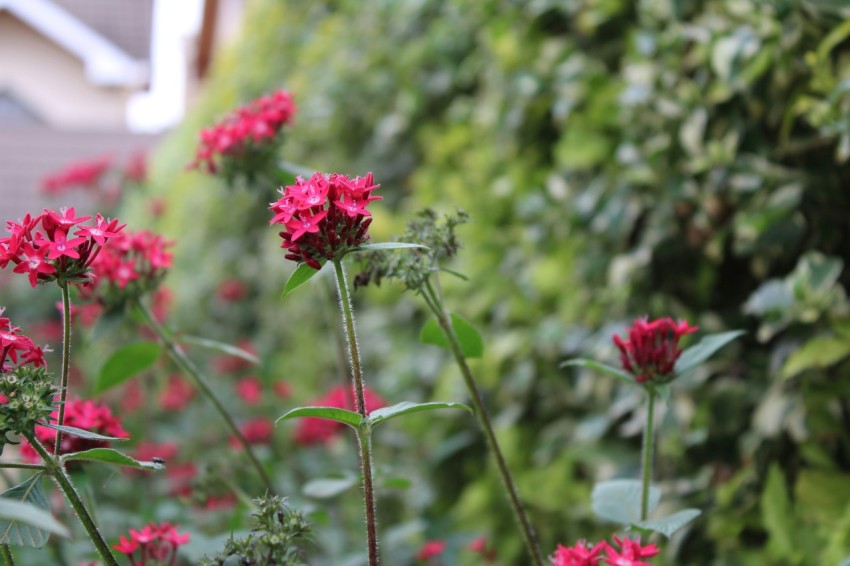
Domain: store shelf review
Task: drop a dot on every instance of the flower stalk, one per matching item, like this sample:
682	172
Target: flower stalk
648	449
433	298
66	360
189	368
363	434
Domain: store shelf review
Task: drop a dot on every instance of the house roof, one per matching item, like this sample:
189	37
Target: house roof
105	62
126	23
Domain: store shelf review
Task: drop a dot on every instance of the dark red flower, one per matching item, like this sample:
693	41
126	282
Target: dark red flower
85	174
629	553
13	343
324	216
255	431
580	554
250	389
157	544
431	549
652	349
177	394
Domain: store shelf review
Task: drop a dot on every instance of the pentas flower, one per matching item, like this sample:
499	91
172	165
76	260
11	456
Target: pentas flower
312	430
431	549
176	394
325	217
132	265
479	546
629	553
256	431
16	347
43	247
84	174
580	554
247	136
136	169
652	349
85	414
152	545
250	389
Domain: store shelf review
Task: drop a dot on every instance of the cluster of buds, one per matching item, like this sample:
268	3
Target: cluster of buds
312	430
42	246
246	139
652	349
156	545
83	174
85	414
26	389
629	552
325	217
132	265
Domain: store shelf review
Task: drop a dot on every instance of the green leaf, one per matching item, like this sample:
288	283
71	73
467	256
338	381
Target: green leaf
777	512
819	352
125	363
623	376
703	350
301	275
618	501
331	413
383	414
111	456
387	246
29	514
324	488
228	349
22	531
471	343
81	433
670	524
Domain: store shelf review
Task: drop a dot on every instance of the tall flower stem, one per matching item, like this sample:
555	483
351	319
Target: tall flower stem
56	471
189	368
66	360
648	449
434	300
363	435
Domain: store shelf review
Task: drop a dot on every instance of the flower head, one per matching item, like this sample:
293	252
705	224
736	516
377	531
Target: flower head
247	138
580	554
652	349
157	544
176	394
86	174
629	553
431	549
324	217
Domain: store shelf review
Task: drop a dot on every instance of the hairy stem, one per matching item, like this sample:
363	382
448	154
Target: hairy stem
22	466
8	559
189	368
60	476
363	435
648	448
435	303
66	360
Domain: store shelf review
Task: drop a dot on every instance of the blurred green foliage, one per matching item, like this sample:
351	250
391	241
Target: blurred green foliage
663	157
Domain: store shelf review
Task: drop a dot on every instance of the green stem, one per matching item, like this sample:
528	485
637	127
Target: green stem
434	301
648	447
60	476
8	559
363	435
22	466
66	360
188	366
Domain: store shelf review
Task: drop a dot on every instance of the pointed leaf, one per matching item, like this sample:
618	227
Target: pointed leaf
301	275
125	363
703	350
387	246
457	274
324	488
112	456
23	533
618	501
819	352
78	432
670	524
471	343
623	376
405	407
331	413
29	514
228	349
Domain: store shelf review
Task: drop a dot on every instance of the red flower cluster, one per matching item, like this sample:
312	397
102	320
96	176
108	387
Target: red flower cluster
256	431
431	549
136	169
324	216
157	544
40	246
628	553
79	413
250	389
313	430
652	349
132	264
86	174
13	343
177	394
254	124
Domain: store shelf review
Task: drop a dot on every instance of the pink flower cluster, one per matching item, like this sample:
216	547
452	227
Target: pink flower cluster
79	413
312	430
258	430
652	349
256	123
139	259
13	343
156	544
324	216
628	553
44	249
431	549
85	174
